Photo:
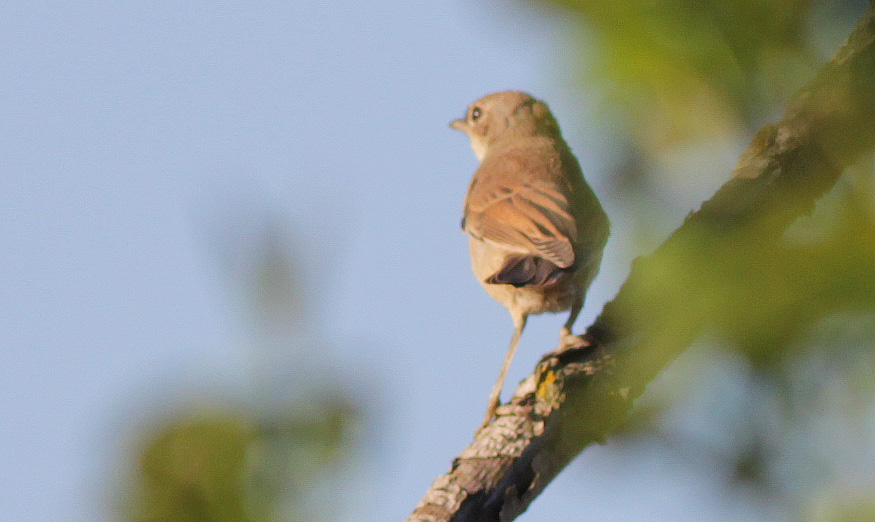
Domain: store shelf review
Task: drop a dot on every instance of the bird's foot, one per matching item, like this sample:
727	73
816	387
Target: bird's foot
568	340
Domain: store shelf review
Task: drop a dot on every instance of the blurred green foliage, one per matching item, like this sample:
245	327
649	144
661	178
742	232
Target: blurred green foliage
764	293
681	70
222	464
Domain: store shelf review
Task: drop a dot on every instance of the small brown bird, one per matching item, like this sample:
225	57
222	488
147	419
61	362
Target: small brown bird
536	229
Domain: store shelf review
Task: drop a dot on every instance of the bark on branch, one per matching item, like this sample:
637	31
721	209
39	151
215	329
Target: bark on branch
581	396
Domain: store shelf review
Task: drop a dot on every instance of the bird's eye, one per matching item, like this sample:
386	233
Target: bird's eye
476	113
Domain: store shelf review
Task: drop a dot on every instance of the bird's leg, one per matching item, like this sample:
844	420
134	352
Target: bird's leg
519	323
566	338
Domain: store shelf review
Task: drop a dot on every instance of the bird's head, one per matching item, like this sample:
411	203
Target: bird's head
505	115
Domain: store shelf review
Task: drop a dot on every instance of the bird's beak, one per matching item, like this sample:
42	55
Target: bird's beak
461	125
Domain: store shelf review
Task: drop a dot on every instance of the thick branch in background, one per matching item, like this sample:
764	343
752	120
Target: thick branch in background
709	272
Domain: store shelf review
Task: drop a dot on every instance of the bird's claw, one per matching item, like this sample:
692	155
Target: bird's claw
568	340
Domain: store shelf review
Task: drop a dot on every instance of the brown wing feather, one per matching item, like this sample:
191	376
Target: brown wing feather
525	218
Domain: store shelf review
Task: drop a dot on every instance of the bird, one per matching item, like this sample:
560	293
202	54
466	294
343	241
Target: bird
536	230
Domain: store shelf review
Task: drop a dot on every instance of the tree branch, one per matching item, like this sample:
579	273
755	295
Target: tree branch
580	396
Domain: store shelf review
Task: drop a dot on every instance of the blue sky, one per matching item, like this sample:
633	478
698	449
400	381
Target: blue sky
145	144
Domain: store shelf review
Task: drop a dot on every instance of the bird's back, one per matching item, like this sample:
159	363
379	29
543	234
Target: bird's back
536	227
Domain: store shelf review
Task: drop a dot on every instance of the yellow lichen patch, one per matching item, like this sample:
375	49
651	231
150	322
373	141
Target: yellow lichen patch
545	387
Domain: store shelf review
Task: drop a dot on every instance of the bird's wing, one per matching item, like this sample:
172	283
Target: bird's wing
527	218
